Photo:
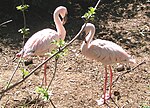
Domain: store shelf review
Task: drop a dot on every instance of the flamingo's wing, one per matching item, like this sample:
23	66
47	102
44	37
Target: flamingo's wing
40	43
108	52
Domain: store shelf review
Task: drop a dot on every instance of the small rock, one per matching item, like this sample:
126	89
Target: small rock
68	68
36	72
1	50
120	68
28	62
66	92
116	93
128	68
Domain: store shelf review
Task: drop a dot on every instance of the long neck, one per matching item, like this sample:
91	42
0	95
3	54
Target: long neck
59	26
90	36
85	45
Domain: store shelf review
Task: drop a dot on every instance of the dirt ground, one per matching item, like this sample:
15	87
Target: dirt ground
79	82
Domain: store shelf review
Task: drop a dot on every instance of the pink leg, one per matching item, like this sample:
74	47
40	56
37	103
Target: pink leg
104	97
105	84
45	79
111	75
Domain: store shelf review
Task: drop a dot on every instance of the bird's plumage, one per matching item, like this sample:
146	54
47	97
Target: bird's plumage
103	51
106	52
41	42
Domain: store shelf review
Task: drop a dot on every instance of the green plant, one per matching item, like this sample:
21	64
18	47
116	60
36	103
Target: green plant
22	7
145	106
59	43
90	14
43	92
24	72
24	30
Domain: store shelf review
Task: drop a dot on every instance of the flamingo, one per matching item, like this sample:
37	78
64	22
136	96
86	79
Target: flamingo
41	42
105	52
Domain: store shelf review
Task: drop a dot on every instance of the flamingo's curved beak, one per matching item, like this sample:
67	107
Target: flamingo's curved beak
64	20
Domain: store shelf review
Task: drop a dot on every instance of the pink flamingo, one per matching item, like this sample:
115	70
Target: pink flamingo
41	42
105	52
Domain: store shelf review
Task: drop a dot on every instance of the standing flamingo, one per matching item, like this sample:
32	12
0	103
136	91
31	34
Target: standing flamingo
41	42
105	52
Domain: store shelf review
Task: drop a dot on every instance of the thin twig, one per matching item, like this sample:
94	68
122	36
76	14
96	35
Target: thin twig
114	103
107	105
52	103
14	73
128	71
38	94
97	4
23	13
49	83
6	102
24	22
56	59
5	22
11	77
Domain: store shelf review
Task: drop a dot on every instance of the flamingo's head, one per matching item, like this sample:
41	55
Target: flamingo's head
63	13
87	29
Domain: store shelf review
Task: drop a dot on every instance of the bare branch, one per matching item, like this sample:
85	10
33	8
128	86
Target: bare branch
5	22
56	59
128	71
97	4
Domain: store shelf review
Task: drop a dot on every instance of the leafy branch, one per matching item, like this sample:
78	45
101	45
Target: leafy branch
42	91
24	31
22	7
59	43
24	72
89	15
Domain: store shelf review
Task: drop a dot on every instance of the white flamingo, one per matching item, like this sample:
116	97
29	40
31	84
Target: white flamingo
41	42
105	52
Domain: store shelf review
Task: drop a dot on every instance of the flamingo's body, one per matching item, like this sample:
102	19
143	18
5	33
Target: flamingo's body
105	52
41	42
